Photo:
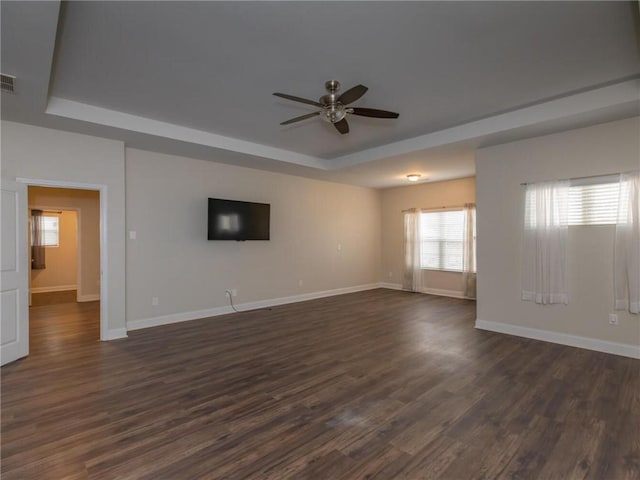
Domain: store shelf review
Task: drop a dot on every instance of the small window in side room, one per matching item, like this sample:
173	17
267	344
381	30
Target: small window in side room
50	231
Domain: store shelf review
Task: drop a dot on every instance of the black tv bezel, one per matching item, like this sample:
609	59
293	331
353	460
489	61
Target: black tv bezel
243	238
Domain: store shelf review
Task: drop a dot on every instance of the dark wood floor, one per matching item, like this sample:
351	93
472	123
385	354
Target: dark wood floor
379	384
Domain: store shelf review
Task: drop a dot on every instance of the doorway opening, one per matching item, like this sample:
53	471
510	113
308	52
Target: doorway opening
65	273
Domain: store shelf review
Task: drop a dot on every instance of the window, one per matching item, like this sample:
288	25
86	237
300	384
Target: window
50	231
442	240
589	201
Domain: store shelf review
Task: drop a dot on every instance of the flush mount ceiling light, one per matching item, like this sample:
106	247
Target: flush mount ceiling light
413	177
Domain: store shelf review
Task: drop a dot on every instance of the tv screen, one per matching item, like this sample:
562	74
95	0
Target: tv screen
234	220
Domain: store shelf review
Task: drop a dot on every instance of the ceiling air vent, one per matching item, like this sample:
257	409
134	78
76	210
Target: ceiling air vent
8	82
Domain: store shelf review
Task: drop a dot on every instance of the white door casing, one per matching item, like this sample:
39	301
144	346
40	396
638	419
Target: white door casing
14	281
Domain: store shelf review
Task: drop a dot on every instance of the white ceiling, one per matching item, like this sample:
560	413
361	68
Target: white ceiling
196	78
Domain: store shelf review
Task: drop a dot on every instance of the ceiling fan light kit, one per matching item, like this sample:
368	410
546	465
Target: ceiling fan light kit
334	108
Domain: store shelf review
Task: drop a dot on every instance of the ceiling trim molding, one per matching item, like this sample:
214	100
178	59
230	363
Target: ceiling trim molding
593	100
111	118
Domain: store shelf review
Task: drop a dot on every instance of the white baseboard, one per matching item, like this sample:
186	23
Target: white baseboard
444	293
65	288
59	288
615	348
115	333
430	291
88	298
212	312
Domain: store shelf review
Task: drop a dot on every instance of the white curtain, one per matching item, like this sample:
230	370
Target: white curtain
545	277
627	245
412	275
469	251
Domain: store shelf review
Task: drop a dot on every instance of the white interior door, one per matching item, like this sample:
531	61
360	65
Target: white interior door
14	283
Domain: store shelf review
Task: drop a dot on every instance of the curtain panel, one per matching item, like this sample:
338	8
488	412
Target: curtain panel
544	268
412	274
627	245
37	240
469	251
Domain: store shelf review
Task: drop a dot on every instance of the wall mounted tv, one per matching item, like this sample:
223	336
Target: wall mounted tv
235	220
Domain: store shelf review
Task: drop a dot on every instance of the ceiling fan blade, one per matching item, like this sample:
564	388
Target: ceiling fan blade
301	117
298	99
352	94
342	126
374	112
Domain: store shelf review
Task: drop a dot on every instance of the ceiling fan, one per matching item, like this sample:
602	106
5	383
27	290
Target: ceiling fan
334	107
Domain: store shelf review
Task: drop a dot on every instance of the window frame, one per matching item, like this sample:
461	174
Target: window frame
57	232
441	257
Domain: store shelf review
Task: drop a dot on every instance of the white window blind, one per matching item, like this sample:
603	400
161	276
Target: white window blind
50	231
442	240
594	203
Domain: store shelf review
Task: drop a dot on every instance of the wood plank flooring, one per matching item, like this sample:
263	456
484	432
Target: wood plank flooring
372	385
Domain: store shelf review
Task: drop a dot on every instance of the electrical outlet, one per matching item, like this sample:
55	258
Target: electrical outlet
231	292
300	283
390	274
154	301
613	319
339	247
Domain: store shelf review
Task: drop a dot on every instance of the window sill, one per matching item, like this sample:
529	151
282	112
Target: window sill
439	270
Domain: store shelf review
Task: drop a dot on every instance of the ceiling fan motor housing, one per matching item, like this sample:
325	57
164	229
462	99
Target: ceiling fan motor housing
333	110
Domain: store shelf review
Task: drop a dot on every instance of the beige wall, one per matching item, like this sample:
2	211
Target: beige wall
601	149
87	203
46	154
62	260
426	195
172	259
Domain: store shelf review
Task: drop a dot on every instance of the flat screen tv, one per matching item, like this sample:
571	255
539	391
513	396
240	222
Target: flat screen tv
235	220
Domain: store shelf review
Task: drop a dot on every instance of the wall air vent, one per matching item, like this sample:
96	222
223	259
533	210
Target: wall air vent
8	83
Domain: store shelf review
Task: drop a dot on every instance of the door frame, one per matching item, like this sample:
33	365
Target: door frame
78	212
104	284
